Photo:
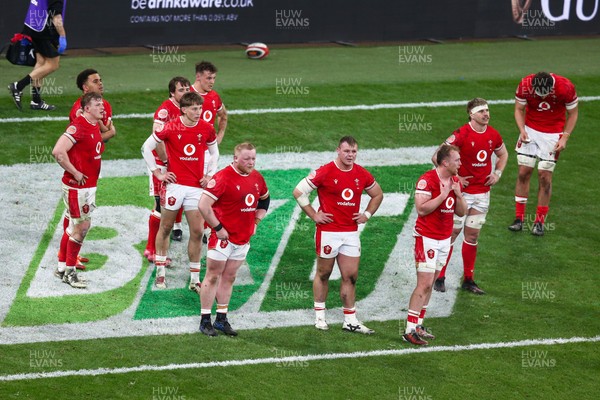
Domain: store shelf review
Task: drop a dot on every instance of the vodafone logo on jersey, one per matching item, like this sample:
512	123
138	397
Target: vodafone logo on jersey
449	204
249	200
98	147
347	194
481	156
207	116
189	149
544	106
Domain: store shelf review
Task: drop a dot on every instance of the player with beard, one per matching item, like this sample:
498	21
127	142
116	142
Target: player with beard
233	204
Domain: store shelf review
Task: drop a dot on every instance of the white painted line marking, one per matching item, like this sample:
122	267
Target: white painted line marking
453	103
295	359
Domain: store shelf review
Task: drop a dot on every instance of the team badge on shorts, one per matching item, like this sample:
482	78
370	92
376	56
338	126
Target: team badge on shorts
224	244
430	254
85	209
171	200
327	249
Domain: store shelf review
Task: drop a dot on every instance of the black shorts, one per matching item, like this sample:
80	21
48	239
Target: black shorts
44	43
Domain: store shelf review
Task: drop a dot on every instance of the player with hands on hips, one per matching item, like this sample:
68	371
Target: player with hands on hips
339	186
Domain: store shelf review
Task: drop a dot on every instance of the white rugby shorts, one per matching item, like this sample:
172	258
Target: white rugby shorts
80	203
223	250
174	196
330	244
540	145
431	254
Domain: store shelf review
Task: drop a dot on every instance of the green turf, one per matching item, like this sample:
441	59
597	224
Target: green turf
335	65
537	287
363	75
97	261
524	372
307	131
27	311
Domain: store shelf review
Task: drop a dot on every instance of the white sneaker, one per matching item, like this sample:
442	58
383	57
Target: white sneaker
358	328
321	324
160	282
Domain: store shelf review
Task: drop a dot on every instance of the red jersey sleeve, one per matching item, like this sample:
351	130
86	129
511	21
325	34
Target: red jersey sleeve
524	89
76	107
315	178
216	186
161	132
424	186
456	139
161	115
218	103
570	95
264	191
498	142
107	111
212	135
369	179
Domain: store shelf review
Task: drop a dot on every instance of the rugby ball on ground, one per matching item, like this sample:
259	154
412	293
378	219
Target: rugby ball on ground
257	51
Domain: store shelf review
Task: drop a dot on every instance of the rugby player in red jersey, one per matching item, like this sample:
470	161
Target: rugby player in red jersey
233	203
477	142
167	111
339	186
546	113
89	80
438	197
79	152
185	139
